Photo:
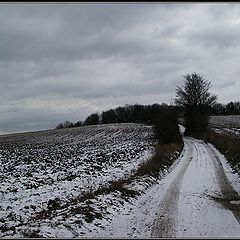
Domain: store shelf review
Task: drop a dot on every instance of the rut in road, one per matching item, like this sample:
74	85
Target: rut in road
165	224
229	194
205	160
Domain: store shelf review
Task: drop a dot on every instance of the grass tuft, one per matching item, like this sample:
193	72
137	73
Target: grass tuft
163	158
228	145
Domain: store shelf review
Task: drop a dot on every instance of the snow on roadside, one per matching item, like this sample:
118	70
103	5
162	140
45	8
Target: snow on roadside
37	168
230	173
136	218
115	215
199	213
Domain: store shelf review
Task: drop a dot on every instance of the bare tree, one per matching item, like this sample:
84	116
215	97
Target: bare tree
196	100
65	124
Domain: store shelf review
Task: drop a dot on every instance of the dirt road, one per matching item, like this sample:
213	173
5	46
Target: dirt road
200	201
198	196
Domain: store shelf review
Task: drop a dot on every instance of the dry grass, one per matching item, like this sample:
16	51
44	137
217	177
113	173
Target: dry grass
117	185
32	234
227	145
163	158
89	212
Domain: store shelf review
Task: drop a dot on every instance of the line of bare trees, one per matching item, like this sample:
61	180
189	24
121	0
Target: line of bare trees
163	117
231	108
193	101
124	114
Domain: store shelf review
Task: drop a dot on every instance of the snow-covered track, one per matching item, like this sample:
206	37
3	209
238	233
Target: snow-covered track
166	222
200	200
198	196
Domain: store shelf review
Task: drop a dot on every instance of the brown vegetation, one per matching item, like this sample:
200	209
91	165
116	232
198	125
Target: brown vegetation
163	158
227	145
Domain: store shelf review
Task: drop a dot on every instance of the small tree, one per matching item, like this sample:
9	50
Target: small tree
92	119
166	127
60	126
109	116
196	101
78	124
65	124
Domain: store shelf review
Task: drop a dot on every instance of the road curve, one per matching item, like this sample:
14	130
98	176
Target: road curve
200	200
165	224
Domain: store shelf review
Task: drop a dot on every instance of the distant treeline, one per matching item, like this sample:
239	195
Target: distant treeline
68	124
231	108
163	117
144	114
129	113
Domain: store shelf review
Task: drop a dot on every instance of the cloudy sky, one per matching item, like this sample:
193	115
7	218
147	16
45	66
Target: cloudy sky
64	61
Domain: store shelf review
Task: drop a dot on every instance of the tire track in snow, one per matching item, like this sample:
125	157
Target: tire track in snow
166	221
229	194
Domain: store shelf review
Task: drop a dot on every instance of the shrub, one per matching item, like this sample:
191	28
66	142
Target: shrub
92	119
163	158
166	127
65	124
109	116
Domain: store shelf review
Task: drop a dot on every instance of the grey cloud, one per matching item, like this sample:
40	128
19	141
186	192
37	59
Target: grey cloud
218	35
64	31
65	61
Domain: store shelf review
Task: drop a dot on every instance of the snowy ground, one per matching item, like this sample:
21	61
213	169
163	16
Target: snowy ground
229	124
223	120
57	167
197	197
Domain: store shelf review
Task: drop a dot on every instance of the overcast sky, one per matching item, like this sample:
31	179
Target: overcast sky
65	61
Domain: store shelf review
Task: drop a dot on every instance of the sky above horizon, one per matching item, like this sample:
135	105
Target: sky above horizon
65	61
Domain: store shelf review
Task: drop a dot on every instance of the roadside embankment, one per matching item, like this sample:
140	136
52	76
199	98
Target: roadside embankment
227	145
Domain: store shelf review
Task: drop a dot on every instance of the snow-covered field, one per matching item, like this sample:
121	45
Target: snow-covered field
229	124
43	170
223	120
44	175
198	197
